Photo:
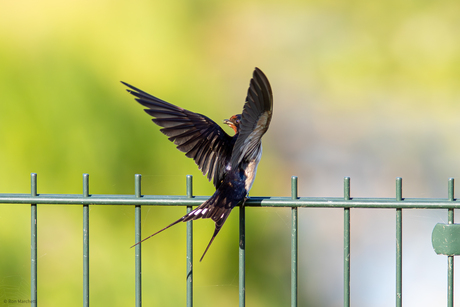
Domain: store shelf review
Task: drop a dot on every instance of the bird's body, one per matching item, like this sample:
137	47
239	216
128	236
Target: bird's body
231	161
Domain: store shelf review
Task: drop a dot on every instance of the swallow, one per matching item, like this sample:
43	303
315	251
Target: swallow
229	161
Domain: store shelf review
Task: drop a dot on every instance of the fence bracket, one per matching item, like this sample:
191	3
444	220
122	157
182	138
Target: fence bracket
446	239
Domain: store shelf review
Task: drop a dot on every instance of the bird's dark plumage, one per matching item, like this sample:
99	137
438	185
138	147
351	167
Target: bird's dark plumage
198	136
231	162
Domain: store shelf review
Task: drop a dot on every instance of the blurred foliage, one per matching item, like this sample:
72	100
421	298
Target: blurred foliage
63	113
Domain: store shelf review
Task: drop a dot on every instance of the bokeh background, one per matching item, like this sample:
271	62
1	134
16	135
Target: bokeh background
366	89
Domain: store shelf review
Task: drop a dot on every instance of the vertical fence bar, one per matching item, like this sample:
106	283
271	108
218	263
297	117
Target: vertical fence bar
189	264
398	244
85	243
33	243
137	238
346	244
450	259
294	243
242	259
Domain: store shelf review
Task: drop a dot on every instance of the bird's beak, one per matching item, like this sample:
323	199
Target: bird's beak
226	121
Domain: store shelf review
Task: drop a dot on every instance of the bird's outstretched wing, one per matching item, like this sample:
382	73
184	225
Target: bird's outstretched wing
198	136
255	119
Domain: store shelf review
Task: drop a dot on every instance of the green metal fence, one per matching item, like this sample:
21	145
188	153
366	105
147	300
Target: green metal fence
294	202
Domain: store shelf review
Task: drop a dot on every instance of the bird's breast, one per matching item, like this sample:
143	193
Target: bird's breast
251	170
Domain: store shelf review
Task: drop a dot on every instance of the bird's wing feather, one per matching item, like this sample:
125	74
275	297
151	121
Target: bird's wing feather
255	119
196	135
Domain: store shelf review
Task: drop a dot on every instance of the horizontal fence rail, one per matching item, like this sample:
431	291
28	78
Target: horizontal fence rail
166	200
189	200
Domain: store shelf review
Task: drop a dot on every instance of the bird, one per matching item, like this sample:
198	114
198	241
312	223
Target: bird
229	161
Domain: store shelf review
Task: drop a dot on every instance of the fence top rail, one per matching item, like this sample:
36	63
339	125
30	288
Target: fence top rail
168	200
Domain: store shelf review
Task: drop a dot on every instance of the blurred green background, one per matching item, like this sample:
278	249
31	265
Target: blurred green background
362	89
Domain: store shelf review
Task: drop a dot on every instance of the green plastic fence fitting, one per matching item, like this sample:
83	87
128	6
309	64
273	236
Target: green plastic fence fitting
446	239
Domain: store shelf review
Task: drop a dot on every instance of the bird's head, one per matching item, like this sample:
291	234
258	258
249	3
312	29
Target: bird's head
234	122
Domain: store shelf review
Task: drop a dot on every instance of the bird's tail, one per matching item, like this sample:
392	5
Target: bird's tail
219	223
179	220
216	208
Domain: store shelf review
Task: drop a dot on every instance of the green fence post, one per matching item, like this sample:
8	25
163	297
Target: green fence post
399	244
85	242
33	243
450	259
242	258
346	244
189	264
294	243
138	238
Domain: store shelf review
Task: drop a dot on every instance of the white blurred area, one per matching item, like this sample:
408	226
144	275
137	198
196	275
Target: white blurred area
349	102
